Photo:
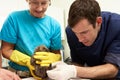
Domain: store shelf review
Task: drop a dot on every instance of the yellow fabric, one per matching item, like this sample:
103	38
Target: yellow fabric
46	58
23	60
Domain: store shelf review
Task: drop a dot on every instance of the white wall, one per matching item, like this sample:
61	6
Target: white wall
7	6
110	5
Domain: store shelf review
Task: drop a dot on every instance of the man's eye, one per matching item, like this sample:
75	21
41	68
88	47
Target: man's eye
85	32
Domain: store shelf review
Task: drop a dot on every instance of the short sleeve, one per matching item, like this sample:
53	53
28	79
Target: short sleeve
56	43
8	31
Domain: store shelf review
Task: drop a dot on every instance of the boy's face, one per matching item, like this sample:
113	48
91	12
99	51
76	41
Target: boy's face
85	32
38	7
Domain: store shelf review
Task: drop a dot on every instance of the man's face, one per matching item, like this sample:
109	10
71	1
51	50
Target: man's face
38	7
85	32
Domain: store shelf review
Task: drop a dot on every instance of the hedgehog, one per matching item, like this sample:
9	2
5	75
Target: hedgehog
40	71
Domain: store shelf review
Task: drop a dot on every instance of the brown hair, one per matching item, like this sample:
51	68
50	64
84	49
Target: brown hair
83	9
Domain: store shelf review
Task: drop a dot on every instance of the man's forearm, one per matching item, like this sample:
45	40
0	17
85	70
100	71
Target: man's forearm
97	72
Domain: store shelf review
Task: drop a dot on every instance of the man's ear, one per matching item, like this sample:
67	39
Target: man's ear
99	20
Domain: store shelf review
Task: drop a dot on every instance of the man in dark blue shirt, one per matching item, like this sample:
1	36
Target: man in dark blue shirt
94	40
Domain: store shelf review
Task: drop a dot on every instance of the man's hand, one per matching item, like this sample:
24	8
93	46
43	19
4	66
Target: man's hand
46	58
62	71
8	75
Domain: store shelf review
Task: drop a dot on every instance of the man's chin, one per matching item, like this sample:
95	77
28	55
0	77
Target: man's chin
87	44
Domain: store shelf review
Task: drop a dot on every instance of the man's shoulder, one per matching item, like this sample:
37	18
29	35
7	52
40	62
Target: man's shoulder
111	20
70	33
68	29
112	15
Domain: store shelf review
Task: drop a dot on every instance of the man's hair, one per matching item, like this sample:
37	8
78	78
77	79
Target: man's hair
83	9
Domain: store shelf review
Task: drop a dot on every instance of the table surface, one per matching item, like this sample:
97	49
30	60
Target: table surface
31	78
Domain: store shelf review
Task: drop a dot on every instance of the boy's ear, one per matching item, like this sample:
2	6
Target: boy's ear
26	0
49	2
